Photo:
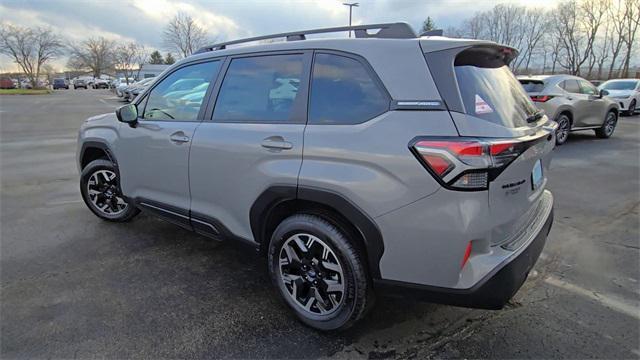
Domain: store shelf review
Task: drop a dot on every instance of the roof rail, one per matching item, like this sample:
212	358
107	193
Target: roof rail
399	30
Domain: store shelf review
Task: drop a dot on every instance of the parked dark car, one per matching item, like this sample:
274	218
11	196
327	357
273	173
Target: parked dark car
79	83
6	83
60	84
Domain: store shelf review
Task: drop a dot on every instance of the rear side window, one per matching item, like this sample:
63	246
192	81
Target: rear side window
178	97
587	88
260	89
489	90
532	86
571	86
343	92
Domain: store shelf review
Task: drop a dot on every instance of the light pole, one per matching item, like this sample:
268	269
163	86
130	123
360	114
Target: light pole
350	5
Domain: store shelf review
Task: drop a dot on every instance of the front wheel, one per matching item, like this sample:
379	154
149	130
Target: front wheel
632	108
320	273
100	189
609	125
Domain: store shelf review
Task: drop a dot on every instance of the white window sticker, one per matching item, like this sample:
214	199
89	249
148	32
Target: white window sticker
481	106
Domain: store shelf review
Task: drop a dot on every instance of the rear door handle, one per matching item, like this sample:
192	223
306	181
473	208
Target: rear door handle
276	142
179	137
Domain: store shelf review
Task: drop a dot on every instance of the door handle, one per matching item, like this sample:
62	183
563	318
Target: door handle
179	137
276	142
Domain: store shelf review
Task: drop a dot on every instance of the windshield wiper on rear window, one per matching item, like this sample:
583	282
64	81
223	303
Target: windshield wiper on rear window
535	116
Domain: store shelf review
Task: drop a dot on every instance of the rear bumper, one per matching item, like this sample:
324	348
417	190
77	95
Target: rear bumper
492	292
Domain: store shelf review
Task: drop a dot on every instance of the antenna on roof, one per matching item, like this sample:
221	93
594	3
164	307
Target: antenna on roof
434	32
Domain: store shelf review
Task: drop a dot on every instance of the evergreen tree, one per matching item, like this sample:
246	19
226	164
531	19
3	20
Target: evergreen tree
428	25
169	59
156	58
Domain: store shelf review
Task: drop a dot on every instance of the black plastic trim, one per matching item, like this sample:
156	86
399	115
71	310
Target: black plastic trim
275	195
213	228
172	214
492	292
100	145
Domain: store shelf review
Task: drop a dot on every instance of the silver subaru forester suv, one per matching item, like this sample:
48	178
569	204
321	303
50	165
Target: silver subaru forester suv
383	164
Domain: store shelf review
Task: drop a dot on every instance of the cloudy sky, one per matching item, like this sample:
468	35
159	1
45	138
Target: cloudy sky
144	20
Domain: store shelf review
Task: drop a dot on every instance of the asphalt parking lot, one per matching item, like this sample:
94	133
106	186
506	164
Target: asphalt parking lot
73	286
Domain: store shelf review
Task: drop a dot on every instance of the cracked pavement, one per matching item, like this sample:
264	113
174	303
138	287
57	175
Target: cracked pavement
72	286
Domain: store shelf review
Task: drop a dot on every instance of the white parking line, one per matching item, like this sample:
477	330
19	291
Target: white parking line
607	301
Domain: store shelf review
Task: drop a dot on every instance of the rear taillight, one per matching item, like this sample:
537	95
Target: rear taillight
541	98
466	164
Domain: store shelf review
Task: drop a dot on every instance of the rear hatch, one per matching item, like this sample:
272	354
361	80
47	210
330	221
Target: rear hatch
490	107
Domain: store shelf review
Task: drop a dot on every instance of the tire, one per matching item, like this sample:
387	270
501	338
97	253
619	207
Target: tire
109	203
564	128
608	127
342	267
632	108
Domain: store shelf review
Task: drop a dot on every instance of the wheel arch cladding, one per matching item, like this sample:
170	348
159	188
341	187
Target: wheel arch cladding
93	150
279	202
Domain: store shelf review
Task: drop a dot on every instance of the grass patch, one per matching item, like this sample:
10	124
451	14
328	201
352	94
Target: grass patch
24	91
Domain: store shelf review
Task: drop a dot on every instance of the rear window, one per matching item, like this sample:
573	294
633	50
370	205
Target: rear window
489	89
532	86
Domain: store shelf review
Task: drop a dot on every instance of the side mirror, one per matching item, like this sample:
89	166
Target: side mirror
128	114
603	93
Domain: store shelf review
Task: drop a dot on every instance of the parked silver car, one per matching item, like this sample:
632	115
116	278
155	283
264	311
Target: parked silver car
338	160
574	103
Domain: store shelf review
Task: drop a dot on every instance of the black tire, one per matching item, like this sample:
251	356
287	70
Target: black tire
632	108
564	128
356	297
113	193
608	127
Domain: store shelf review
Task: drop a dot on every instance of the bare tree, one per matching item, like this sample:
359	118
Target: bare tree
30	48
535	25
129	57
577	25
631	21
617	18
184	35
95	54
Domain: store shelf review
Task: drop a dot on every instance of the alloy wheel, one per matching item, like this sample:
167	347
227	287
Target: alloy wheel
610	124
104	193
312	274
563	129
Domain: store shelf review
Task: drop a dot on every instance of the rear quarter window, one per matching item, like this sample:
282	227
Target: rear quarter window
344	92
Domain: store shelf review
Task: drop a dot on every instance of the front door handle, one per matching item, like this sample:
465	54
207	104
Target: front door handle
179	137
276	143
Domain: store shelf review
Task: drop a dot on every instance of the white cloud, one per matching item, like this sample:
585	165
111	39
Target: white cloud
162	10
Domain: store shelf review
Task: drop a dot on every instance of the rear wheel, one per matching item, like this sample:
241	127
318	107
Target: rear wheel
320	274
564	127
608	126
100	189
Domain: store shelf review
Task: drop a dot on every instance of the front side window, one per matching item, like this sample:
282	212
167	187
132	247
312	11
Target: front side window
178	97
260	89
343	92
